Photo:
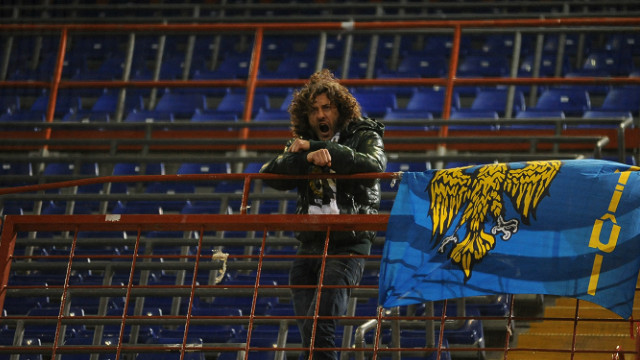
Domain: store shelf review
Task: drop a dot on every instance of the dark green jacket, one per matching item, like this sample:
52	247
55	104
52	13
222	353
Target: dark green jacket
360	149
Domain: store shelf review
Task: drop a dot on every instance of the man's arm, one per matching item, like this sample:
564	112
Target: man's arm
368	157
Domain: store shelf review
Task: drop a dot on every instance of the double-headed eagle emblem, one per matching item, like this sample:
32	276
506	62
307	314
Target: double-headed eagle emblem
474	196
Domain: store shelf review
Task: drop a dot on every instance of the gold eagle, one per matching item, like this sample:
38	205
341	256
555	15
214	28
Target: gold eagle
479	194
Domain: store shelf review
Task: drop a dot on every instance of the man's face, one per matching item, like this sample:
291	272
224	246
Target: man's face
323	117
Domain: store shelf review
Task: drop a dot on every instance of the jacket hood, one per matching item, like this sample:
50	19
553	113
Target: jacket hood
365	123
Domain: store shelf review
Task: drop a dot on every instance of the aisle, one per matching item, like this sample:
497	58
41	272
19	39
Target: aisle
598	332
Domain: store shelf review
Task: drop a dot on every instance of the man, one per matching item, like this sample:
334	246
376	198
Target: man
330	136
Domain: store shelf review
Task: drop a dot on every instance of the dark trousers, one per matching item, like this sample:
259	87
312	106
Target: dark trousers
333	301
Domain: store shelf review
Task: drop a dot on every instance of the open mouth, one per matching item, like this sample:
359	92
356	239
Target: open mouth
324	127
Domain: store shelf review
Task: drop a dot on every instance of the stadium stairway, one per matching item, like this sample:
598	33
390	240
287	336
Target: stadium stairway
597	333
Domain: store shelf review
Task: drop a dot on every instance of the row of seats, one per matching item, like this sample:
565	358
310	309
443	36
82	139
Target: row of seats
101	58
380	103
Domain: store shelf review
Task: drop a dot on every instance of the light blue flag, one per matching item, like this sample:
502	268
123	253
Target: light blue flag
568	228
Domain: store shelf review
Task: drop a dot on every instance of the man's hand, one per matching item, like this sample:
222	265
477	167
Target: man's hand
299	145
320	157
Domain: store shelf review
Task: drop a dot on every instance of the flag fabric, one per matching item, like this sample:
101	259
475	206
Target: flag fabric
569	228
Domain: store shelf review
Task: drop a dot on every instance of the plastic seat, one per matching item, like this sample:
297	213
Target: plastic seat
427	66
626	42
431	101
180	105
23	116
616	63
537	114
46	333
547	66
496	100
597	114
375	103
272	115
86	116
213	116
108	102
132	169
404	114
234	103
9	103
148	116
91	169
64	103
622	99
467	114
483	66
571	101
235	66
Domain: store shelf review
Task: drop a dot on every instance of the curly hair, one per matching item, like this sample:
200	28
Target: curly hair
321	82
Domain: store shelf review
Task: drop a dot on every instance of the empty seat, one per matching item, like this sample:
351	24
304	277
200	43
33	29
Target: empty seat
374	103
622	99
533	114
616	63
180	105
479	115
108	102
571	101
597	114
64	104
428	66
496	100
432	101
234	103
294	67
546	67
483	66
398	115
213	116
148	116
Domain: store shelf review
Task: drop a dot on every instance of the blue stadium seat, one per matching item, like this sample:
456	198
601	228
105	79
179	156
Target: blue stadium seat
234	102
86	116
597	114
24	116
614	63
272	115
483	66
201	207
403	114
133	169
537	114
86	339
427	66
431	101
137	207
466	114
374	103
622	99
9	103
547	66
148	116
64	103
235	66
46	333
571	46
10	168
572	101
182	106
108	102
294	67
213	116
6	339
496	100
626	42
